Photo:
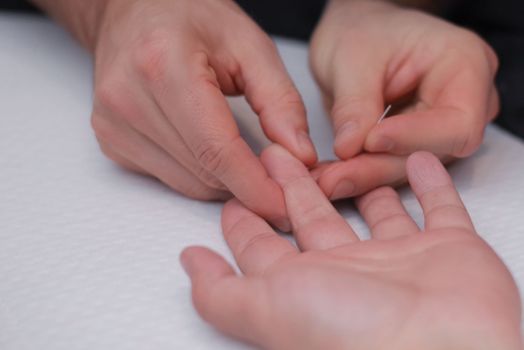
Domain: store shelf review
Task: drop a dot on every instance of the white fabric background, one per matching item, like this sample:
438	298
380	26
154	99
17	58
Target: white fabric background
89	252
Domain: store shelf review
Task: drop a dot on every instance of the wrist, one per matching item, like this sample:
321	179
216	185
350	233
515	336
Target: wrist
82	18
462	333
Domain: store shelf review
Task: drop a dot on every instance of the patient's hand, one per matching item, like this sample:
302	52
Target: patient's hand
438	288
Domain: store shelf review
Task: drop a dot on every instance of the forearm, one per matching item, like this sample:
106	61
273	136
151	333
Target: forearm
80	17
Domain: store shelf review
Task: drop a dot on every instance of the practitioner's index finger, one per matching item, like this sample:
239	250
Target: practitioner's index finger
253	242
316	224
436	193
200	113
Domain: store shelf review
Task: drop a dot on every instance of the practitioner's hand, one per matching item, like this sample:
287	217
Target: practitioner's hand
439	288
368	54
163	68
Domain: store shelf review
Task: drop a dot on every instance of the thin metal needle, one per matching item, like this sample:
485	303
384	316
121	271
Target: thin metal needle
384	114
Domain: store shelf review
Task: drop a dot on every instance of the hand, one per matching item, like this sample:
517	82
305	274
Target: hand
162	70
439	77
440	288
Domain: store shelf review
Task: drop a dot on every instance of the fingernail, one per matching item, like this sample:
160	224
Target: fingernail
304	141
343	189
283	224
383	144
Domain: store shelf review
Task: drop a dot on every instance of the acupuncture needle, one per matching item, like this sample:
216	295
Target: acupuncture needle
388	108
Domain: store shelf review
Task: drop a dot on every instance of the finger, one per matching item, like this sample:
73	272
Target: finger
126	143
275	99
319	169
253	242
233	305
200	113
358	102
456	94
443	130
356	176
117	158
316	224
385	215
434	189
134	105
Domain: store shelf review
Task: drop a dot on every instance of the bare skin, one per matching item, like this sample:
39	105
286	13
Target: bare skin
369	54
164	67
441	287
163	70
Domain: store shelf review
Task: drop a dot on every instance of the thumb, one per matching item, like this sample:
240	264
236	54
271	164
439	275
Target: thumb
358	103
275	99
233	305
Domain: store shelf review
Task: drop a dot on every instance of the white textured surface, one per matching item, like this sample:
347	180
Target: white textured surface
89	252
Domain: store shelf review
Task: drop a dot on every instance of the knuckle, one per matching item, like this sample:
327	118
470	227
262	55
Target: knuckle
344	108
290	99
150	56
211	155
209	179
191	189
467	142
284	103
110	96
104	131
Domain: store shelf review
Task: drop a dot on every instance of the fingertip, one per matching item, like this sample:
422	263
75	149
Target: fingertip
336	182
282	165
347	179
344	188
274	156
298	143
306	151
422	159
283	117
425	171
348	141
273	151
353	119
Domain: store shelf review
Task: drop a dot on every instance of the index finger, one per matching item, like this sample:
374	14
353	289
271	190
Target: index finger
199	111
